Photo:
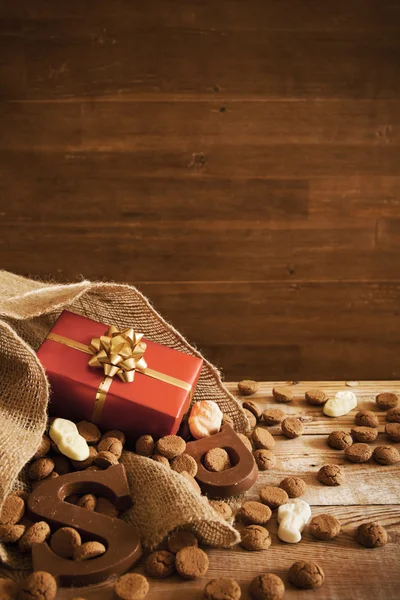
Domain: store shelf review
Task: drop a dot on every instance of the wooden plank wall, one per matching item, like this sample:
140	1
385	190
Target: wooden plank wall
237	161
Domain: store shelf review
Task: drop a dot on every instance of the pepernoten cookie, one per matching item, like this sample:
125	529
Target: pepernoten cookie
160	564
255	513
181	539
267	587
393	431
265	459
366	418
292	427
282	394
247	387
306	575
316	397
331	475
255	538
262	439
371	535
358	453
340	440
364	434
273	496
386	455
387	400
222	589
293	486
222	508
217	460
131	586
191	562
324	527
273	416
13	510
39	585
253	407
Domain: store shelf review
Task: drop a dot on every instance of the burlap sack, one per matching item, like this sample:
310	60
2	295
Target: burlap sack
163	499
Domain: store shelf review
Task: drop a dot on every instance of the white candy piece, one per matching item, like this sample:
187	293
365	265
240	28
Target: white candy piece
68	439
340	405
292	518
205	419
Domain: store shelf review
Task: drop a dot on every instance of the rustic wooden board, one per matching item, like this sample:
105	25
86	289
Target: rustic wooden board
371	493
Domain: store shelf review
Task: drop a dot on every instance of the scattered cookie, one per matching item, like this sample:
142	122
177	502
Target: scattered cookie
253	407
222	508
217	460
366	418
358	453
105	459
40	469
38	585
35	534
393	415
161	459
371	535
191	562
282	394
324	527
386	455
306	575
145	445
393	431
251	418
65	541
115	433
89	431
364	434
222	589
13	510
316	397
265	459
255	513
267	587
43	449
255	538
110	444
171	446
105	507
340	440
88	550
8	589
273	416
262	439
10	534
273	496
387	400
88	502
246	441
247	387
181	539
160	564
292	427
131	586
293	486
331	475
80	465
184	462
205	419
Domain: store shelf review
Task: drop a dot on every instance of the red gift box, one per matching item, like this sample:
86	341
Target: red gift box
148	404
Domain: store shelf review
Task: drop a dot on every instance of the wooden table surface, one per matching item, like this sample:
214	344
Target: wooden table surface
371	492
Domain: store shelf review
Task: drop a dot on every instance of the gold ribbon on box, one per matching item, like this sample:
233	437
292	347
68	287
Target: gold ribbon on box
121	354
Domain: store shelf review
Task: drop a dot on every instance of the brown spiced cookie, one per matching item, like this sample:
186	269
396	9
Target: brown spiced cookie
13	510
145	445
89	431
358	453
371	535
191	562
282	394
88	550
255	513
61	464
171	446
255	538
386	455
247	387
293	486
324	527
364	434
393	431
316	397
217	460
105	507
39	585
306	575
262	439
250	417
112	445
393	415
40	469
292	427
80	465
273	416
35	534
246	442
8	589
43	449
181	539
222	589
160	564
184	462
340	440
387	400
227	420
105	459
273	496
65	541
161	459
253	407
267	587
88	502
131	586
366	418
265	459
115	433
222	508
331	475
10	534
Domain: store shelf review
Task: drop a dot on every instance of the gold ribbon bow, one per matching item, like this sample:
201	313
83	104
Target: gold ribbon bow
119	353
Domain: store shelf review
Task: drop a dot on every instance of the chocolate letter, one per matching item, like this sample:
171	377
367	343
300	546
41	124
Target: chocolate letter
121	540
239	478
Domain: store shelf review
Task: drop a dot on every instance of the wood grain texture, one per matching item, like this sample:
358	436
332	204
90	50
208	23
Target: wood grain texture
246	152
